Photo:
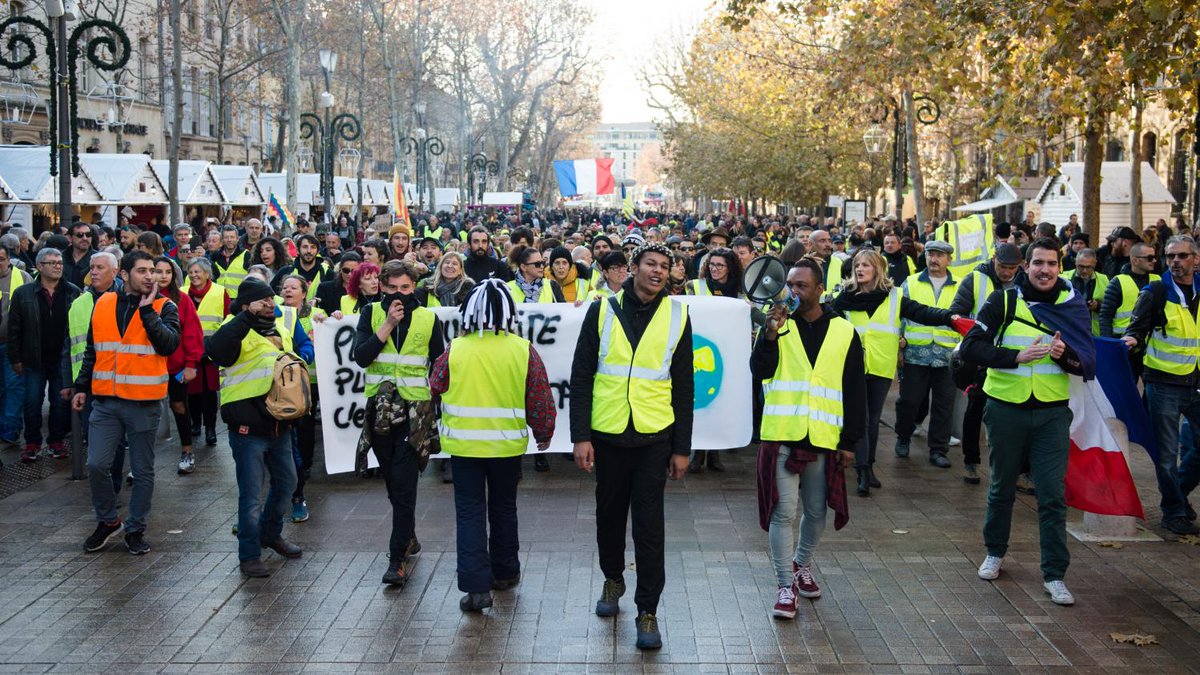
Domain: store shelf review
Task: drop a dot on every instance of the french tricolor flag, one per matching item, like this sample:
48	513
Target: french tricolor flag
1098	477
584	176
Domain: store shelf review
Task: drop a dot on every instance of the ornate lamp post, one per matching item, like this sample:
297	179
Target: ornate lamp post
344	126
482	167
422	146
107	49
927	113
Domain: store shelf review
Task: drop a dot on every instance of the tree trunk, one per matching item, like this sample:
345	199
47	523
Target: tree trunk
292	87
174	216
914	160
1093	159
1135	170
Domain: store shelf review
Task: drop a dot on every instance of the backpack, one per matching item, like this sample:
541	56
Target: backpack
290	396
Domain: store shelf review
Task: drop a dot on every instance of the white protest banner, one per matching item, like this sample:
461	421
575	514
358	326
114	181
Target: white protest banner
721	354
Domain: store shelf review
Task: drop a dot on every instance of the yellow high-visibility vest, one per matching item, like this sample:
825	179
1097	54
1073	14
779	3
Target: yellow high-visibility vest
804	399
1129	294
1042	379
880	335
545	297
919	334
972	239
1174	348
483	411
408	367
251	376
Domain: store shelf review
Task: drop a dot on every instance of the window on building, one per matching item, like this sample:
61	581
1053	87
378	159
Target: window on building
145	81
1114	151
1179	162
1149	149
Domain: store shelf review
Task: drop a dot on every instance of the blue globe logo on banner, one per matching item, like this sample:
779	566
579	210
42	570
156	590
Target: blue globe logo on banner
709	370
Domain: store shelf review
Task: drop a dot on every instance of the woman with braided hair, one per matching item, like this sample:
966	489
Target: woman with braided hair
494	389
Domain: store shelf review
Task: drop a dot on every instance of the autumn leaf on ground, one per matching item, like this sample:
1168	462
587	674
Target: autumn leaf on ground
1137	639
1190	539
1112	544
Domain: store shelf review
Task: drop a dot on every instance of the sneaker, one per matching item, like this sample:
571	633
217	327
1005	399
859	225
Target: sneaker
31	453
58	451
609	602
210	438
475	602
541	464
1059	594
100	538
505	584
187	463
396	574
254	568
990	569
1026	485
971	475
901	448
414	547
939	460
648	636
955	441
785	604
299	511
129	478
918	431
195	431
803	583
136	543
1180	525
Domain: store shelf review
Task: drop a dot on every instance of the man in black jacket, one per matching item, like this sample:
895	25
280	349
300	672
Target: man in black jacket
78	258
37	328
613	429
480	264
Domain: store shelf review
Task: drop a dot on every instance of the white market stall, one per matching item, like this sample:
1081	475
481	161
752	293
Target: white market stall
29	194
308	192
127	184
1006	201
243	193
199	191
1062	196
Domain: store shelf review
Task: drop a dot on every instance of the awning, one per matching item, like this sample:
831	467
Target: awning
985	205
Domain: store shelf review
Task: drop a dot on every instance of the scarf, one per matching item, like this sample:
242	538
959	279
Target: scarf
568	283
728	289
448	292
531	289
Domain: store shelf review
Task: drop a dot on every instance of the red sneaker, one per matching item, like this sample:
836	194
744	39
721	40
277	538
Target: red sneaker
803	583
785	604
58	451
31	453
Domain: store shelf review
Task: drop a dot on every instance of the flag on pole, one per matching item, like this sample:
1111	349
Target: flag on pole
280	211
401	204
584	176
626	203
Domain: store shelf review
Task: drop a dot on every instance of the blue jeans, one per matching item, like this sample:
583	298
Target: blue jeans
114	421
1168	403
12	398
485	497
810	489
1189	459
254	456
37	382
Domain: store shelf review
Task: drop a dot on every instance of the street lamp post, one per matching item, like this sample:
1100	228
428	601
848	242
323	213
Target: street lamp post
422	146
344	126
480	166
927	113
107	49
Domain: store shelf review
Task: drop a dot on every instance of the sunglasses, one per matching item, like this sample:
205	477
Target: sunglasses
536	264
1178	256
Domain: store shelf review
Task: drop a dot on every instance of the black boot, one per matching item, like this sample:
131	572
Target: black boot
871	477
714	461
864	482
696	464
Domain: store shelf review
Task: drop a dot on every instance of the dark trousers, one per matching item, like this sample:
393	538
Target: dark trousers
398	465
1040	437
303	448
485	510
918	383
632	480
203	407
877	391
40	384
973	424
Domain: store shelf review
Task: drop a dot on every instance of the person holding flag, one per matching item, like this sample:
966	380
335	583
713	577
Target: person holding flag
1019	338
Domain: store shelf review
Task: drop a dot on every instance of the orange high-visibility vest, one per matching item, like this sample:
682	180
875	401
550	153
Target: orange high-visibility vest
126	365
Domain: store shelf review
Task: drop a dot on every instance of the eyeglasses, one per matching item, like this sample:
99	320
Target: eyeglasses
1178	256
687	248
717	266
80	234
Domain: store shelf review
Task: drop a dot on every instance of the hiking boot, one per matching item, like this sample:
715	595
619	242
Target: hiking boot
648	636
696	463
970	475
414	547
939	460
1180	525
505	584
299	511
254	568
1025	484
901	448
396	574
990	569
58	451
31	453
475	602
136	543
803	582
609	602
1059	594
541	464
864	483
103	534
187	463
284	548
714	461
785	603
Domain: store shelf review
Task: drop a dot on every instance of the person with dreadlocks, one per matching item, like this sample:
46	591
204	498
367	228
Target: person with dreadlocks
494	389
631	421
395	341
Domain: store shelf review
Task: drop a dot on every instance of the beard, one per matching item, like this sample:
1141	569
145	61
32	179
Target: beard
479	253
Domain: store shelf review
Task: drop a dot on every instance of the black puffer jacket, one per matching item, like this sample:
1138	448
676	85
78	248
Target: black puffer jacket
25	338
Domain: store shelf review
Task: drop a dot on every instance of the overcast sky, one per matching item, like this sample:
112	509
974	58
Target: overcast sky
626	32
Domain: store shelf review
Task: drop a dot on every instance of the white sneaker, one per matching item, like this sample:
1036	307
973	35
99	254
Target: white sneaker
1059	594
990	569
954	441
187	462
918	431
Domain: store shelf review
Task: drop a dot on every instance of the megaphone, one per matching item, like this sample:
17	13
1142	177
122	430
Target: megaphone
765	280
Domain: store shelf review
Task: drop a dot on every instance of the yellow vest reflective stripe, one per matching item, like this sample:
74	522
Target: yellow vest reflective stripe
833	277
211	309
804	400
307	323
483	411
581	289
880	335
637	382
972	238
1129	294
982	286
312	286
1097	295
232	276
79	319
1174	348
545	297
251	376
1042	379
918	334
597	279
698	287
409	367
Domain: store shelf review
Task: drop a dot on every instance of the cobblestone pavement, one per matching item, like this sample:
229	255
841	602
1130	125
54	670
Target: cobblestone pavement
900	591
